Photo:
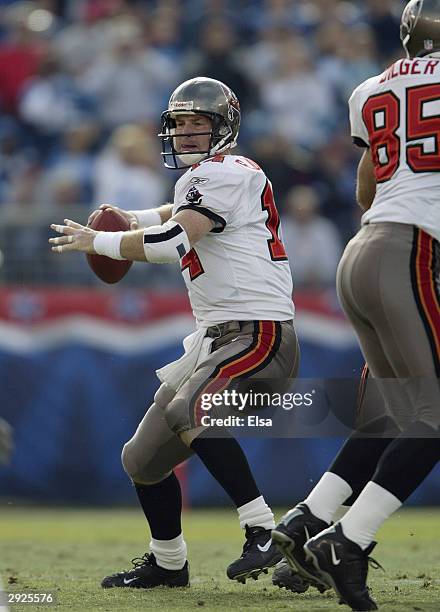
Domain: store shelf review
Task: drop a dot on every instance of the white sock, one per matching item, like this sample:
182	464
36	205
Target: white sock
170	554
256	513
327	496
373	506
340	512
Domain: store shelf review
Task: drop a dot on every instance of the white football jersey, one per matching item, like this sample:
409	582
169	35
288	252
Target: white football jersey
239	271
397	114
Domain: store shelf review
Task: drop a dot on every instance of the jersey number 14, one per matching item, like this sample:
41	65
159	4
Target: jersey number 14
277	252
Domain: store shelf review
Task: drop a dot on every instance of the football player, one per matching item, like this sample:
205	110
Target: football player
224	230
388	283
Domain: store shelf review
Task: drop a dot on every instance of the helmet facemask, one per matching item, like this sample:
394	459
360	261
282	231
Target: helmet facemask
208	98
220	139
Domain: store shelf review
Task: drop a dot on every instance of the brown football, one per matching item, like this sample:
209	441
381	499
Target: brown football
107	269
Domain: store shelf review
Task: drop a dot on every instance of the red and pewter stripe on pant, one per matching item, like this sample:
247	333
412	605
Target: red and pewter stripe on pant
265	343
424	268
362	391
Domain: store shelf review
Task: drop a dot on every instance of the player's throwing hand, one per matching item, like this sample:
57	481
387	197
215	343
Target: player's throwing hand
76	237
128	215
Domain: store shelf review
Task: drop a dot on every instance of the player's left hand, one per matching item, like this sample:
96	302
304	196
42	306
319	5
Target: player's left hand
75	237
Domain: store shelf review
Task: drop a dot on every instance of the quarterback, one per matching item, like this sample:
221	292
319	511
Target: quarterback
389	286
223	229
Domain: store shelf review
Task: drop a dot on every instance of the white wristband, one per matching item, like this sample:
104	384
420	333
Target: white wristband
147	218
109	244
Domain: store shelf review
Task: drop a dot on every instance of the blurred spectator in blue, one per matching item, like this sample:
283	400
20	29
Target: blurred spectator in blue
52	103
300	103
284	165
81	40
215	58
15	158
60	188
312	241
199	12
130	81
384	21
335	177
348	57
165	29
129	172
71	169
262	58
302	15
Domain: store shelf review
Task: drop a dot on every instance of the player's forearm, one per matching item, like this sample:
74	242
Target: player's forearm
166	243
153	216
165	212
132	246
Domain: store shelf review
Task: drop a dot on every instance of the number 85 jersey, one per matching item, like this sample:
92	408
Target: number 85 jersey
397	115
239	271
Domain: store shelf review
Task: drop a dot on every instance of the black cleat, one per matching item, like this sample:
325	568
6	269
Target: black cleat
290	535
285	578
146	574
259	554
344	565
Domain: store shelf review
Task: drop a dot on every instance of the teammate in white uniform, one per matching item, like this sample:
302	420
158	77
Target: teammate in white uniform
223	229
389	285
395	115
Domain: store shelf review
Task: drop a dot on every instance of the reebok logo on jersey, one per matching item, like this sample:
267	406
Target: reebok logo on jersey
194	197
266	547
198	180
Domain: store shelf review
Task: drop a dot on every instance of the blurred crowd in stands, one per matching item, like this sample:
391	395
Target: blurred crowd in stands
83	84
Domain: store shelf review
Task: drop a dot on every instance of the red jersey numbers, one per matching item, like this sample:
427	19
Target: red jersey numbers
276	247
381	116
192	262
421	124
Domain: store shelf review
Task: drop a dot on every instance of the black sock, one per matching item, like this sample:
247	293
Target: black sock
357	460
227	462
408	460
162	506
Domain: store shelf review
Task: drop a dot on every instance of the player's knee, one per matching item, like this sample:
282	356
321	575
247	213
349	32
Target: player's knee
176	415
129	460
140	471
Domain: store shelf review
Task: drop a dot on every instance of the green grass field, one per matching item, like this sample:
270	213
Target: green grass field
68	551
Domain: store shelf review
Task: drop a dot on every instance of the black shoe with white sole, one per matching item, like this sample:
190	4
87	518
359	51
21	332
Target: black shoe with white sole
259	554
285	578
146	574
344	565
290	535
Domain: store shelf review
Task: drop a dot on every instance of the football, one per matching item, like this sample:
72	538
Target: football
107	269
